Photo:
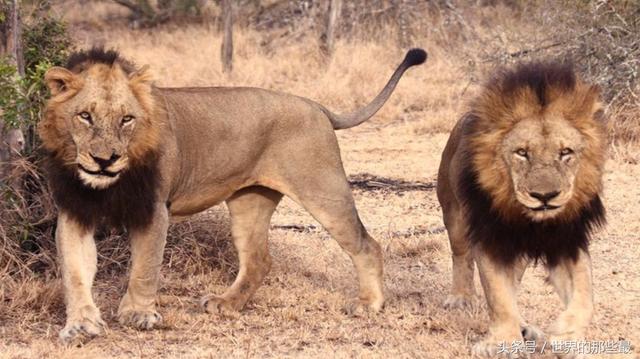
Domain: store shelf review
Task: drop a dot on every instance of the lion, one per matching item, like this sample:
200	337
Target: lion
520	182
123	152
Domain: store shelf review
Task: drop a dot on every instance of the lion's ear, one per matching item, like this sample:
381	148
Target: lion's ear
59	79
141	76
586	104
141	84
593	104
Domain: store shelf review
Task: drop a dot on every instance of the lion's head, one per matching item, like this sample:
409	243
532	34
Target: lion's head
99	120
538	145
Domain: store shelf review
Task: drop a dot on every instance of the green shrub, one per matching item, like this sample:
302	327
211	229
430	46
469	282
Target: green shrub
45	43
11	99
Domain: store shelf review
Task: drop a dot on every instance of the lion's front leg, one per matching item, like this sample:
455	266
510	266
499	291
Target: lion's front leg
138	306
499	284
572	281
77	259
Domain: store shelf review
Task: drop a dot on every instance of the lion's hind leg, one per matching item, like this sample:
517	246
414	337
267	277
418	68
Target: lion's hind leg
326	195
463	265
251	210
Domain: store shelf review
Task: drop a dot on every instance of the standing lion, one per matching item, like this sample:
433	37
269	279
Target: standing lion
126	153
520	181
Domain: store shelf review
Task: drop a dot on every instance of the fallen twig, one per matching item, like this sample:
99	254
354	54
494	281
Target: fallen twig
366	181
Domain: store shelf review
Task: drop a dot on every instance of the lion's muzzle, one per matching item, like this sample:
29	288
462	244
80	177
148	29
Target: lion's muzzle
100	171
105	163
543	203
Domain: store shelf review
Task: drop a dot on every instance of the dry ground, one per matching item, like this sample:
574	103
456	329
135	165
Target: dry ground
298	310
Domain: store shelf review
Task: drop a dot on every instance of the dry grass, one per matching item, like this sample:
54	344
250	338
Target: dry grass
298	311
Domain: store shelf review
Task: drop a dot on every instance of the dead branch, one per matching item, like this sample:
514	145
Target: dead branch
369	182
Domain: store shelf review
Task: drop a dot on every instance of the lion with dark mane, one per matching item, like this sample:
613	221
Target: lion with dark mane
125	153
520	181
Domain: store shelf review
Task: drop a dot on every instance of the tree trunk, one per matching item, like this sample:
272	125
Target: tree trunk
11	140
12	35
333	15
226	51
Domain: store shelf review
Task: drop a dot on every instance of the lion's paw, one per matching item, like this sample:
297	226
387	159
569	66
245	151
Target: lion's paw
457	301
563	335
83	325
490	348
140	319
214	304
359	308
530	332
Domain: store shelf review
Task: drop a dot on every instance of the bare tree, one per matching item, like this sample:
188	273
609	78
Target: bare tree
333	15
226	51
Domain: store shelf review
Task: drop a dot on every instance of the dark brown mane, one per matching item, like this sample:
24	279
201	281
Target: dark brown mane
79	61
540	77
535	91
495	219
508	239
129	203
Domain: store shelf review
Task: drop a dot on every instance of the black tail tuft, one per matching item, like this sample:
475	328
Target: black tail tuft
415	57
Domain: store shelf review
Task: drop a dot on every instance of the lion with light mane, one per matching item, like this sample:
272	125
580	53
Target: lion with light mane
520	181
126	153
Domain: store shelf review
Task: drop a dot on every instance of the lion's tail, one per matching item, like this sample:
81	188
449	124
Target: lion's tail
342	121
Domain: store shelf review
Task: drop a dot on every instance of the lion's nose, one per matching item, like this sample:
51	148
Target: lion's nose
544	197
104	163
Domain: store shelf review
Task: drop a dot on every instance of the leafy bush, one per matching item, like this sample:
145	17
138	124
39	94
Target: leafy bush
46	43
11	99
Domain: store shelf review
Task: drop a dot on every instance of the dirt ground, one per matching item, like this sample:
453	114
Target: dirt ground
298	312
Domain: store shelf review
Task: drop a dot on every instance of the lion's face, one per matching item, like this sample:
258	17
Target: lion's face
103	114
539	153
102	130
542	158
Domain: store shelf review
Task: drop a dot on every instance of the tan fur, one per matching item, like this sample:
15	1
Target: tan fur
498	123
77	255
245	146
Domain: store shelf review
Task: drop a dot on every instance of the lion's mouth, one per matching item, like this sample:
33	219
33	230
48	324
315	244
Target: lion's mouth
100	172
544	207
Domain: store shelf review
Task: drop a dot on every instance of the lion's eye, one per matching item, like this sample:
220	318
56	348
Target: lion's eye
566	152
86	117
522	153
127	119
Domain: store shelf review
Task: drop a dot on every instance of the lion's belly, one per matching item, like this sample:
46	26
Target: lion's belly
187	203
